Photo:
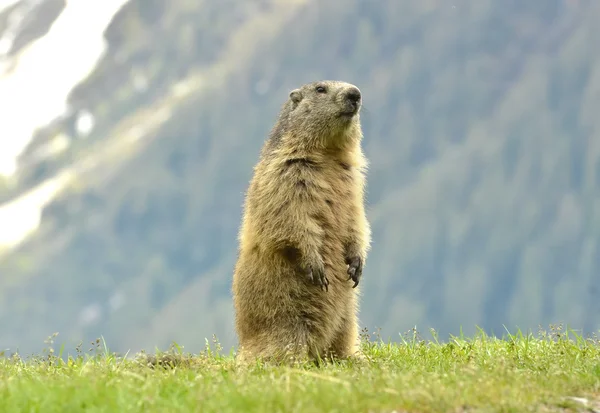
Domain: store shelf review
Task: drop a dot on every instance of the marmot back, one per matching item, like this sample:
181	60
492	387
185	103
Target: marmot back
304	236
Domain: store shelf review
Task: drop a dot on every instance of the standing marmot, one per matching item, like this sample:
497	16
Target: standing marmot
304	235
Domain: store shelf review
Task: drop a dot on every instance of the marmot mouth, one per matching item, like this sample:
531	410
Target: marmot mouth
349	109
348	113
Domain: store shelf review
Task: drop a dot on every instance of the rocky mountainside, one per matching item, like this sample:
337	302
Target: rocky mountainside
480	126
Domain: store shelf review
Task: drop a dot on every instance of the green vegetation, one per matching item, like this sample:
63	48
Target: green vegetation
519	373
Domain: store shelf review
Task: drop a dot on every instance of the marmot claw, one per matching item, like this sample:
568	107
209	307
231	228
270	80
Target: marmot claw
354	269
317	277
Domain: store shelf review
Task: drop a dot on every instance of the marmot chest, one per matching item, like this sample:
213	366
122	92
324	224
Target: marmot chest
332	190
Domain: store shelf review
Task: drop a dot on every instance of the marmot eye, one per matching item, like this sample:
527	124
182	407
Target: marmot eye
321	89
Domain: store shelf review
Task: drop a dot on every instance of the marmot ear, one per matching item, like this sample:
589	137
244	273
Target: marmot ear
296	96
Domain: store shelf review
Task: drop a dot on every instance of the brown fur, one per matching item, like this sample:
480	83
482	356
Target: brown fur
304	213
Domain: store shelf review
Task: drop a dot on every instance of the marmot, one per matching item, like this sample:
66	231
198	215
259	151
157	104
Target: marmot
304	236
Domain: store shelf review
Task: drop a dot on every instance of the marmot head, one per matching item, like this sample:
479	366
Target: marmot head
323	113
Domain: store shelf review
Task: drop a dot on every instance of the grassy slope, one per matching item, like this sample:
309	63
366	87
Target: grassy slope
519	373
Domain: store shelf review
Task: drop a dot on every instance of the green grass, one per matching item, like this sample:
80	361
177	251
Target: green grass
518	373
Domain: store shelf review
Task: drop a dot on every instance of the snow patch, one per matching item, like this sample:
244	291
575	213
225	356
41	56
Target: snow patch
22	216
34	91
5	4
84	124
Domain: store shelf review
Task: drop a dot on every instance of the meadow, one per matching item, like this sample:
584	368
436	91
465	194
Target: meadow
551	371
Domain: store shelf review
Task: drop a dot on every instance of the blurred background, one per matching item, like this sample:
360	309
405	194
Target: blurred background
129	129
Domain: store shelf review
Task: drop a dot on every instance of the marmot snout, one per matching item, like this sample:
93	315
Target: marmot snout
352	100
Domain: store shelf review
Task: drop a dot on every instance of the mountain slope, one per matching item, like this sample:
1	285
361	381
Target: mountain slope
479	126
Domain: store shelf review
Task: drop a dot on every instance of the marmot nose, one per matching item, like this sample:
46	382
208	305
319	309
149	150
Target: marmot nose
353	94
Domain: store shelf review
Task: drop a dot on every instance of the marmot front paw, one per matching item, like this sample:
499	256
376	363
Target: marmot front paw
316	275
355	266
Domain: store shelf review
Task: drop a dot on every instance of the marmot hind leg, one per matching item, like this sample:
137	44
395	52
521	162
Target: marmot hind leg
278	347
346	341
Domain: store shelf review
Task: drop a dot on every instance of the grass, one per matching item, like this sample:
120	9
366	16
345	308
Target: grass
518	373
